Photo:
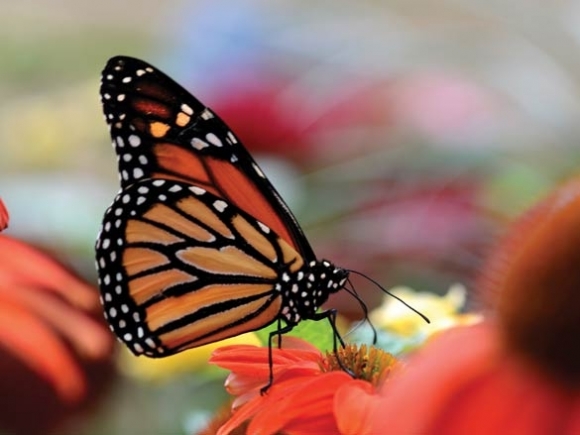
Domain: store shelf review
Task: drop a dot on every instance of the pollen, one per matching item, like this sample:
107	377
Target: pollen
367	363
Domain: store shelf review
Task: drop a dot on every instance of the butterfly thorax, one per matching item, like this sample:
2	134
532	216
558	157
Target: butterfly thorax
306	289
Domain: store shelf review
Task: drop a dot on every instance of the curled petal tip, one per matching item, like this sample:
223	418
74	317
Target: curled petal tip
4	217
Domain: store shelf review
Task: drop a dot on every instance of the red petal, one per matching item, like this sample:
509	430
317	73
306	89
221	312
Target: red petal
4	217
87	336
38	347
464	382
355	404
244	358
22	264
295	405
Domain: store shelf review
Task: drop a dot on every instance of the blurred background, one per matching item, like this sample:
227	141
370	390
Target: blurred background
404	136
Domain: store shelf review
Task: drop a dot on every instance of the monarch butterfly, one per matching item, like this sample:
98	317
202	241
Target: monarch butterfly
198	245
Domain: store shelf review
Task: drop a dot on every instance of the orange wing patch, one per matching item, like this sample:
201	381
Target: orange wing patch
144	288
137	260
202	331
228	260
163	214
245	195
139	231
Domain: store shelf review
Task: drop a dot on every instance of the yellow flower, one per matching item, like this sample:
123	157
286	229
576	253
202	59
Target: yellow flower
192	360
442	311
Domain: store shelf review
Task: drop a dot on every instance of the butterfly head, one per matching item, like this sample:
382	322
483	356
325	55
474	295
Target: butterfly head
308	288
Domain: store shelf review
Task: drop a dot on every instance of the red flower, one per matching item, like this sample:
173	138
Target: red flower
310	393
520	373
49	338
3	216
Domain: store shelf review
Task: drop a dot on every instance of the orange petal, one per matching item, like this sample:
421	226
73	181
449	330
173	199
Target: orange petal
297	405
87	336
355	405
31	341
419	392
22	264
465	382
4	217
253	360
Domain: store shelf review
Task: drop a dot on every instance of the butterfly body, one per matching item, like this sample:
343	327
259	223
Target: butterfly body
197	246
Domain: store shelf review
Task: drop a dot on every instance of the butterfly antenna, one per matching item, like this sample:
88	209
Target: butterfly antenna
351	291
368	278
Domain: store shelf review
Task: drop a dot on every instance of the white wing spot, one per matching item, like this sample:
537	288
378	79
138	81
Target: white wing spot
126	198
141	200
140	72
120	97
213	139
198	144
143	160
187	109
127	157
149	342
138	172
158	183
126	79
175	188
162	197
232	138
134	140
220	205
143	190
197	190
258	170
264	228
206	114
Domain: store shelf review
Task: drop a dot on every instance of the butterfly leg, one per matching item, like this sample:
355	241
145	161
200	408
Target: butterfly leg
278	333
331	316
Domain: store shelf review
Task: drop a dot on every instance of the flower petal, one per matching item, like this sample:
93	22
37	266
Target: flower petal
23	264
4	217
465	382
433	375
296	404
37	346
355	405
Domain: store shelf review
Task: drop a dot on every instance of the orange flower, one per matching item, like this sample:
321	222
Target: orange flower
48	324
521	372
3	216
310	393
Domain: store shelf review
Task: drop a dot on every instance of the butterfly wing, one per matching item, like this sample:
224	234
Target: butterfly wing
160	130
180	267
